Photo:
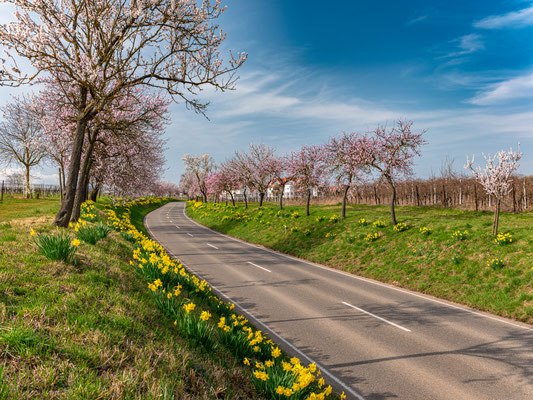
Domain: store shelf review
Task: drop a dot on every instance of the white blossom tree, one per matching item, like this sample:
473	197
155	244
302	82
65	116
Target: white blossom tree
496	177
19	137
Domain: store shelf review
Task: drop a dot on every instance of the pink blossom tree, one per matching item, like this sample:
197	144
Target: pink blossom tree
200	167
98	50
224	180
307	169
242	172
348	157
188	185
262	166
496	177
391	152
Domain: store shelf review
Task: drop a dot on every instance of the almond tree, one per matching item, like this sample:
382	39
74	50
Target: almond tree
348	157
102	48
496	178
390	151
200	167
224	180
307	169
19	136
280	176
242	172
262	165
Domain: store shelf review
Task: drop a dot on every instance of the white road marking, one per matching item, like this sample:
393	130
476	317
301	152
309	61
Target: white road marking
360	278
177	226
214	247
189	234
375	316
258	266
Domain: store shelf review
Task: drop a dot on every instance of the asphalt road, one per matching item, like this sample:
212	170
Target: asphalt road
372	340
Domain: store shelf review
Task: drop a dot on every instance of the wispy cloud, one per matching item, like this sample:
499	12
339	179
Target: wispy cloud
513	19
466	44
416	20
515	88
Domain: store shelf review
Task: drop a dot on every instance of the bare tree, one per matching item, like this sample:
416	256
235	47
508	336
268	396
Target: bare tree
19	137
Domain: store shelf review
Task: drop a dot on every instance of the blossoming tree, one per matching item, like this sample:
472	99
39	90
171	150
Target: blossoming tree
348	157
102	48
200	167
496	177
19	136
391	152
307	169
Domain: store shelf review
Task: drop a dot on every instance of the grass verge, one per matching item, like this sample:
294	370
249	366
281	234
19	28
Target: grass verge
91	330
424	252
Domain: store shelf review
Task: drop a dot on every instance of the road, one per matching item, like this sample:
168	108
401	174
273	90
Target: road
372	340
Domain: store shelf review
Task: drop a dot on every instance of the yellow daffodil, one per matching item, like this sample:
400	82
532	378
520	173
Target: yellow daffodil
76	242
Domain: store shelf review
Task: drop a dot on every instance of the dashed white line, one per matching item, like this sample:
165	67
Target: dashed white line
258	266
214	247
375	316
177	226
189	234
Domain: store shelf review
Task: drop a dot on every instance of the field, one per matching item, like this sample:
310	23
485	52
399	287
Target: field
91	329
454	258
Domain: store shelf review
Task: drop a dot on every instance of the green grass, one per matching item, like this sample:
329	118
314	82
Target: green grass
437	264
92	330
15	207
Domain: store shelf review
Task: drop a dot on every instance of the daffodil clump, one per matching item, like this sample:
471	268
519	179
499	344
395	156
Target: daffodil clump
334	219
363	222
320	218
379	224
425	231
307	232
87	211
372	237
495	263
400	227
294	229
503	239
295	215
201	316
460	235
57	246
330	235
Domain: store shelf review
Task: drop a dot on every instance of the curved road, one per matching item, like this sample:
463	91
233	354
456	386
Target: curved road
372	340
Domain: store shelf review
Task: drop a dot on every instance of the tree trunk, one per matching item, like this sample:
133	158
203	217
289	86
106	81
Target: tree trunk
81	191
308	202
344	197
245	199
232	198
60	185
261	196
27	191
281	198
393	202
496	217
475	197
94	193
63	215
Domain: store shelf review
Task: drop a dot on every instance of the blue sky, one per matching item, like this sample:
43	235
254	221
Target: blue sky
463	70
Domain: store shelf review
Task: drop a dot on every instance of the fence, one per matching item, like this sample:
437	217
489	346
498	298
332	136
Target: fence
38	190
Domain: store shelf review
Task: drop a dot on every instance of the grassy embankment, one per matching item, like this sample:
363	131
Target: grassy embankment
436	263
92	330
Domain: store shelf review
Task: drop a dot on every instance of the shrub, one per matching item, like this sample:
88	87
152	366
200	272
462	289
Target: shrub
57	246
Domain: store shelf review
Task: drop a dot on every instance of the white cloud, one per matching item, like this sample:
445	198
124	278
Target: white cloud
466	44
417	20
510	89
513	19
